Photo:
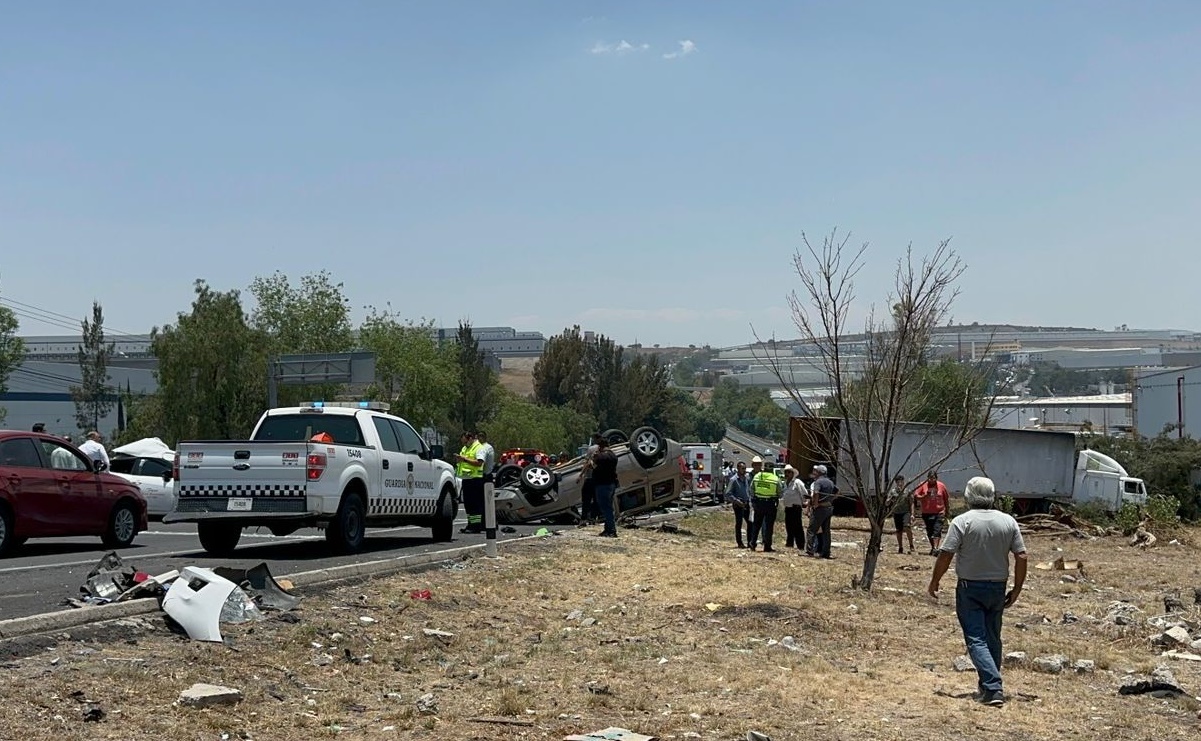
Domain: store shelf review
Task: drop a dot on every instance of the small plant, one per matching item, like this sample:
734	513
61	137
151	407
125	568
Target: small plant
1162	509
1127	520
1005	504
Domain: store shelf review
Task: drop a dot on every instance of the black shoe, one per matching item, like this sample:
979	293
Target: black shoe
740	545
769	550
900	550
995	699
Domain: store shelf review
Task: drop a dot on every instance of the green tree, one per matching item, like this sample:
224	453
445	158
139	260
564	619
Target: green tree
417	376
519	423
560	375
143	417
212	370
946	392
93	396
12	349
750	408
312	317
478	383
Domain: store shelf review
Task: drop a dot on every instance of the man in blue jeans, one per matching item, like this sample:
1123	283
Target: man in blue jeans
982	538
603	465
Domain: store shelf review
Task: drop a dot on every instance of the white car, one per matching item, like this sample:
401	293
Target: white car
147	463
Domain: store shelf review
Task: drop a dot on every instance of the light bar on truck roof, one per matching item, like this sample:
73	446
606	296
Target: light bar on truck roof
375	406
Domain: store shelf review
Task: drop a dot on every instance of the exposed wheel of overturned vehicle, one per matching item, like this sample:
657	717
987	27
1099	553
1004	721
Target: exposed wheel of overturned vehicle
648	446
218	538
615	436
537	479
506	475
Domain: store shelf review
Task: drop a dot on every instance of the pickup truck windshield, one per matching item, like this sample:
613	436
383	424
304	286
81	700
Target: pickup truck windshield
295	427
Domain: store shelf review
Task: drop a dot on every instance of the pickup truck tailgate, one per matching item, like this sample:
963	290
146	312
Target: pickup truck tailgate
238	476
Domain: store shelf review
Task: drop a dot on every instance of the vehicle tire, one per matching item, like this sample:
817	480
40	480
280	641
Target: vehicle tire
648	446
122	526
615	436
219	538
8	541
506	475
443	528
349	526
537	479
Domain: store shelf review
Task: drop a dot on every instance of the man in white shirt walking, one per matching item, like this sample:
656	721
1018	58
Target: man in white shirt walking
94	450
980	540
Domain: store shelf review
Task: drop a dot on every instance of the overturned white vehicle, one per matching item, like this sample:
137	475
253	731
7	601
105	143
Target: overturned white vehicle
650	473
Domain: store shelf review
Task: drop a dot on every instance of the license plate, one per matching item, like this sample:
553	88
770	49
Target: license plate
239	505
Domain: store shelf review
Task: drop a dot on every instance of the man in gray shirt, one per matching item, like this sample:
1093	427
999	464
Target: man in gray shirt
982	538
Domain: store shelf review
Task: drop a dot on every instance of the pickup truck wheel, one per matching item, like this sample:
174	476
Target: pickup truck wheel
506	475
647	446
443	528
122	526
219	538
348	528
614	436
537	479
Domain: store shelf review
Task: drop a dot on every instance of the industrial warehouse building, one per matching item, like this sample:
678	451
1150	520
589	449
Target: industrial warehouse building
1166	398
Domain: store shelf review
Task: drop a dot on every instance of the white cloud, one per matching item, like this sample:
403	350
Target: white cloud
621	47
687	47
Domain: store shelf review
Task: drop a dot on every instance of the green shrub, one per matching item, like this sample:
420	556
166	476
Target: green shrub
1005	504
1163	510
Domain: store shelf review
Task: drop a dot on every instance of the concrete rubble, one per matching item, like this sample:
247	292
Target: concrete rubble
202	695
1016	659
1054	664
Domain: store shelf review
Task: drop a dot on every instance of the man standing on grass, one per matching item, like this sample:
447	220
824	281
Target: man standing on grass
765	498
793	500
738	490
821	501
604	477
935	503
982	538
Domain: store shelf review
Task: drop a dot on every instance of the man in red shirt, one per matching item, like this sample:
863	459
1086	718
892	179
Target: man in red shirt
935	504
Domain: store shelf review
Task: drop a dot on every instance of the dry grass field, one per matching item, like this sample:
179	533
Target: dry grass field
677	635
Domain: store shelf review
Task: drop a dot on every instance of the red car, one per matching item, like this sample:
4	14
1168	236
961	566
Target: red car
50	489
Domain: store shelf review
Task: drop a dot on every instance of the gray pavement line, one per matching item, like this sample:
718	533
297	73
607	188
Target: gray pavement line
64	619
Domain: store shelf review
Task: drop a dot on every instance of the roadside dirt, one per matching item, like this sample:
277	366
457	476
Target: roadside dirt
677	635
517	375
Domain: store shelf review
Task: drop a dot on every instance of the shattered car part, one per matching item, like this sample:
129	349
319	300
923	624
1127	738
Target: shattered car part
261	585
197	601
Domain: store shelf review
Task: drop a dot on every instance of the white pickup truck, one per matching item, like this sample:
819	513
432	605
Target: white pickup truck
340	466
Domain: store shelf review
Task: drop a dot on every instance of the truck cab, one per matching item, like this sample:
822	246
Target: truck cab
337	466
1101	479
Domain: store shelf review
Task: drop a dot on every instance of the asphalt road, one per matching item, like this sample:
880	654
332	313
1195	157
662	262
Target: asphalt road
40	575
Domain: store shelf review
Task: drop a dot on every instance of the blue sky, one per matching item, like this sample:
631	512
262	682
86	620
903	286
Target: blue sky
516	163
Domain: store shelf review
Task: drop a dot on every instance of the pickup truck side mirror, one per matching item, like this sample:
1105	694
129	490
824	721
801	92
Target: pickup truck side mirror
436	452
99	466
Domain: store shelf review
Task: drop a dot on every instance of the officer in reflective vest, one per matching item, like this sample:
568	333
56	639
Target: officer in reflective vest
469	467
765	499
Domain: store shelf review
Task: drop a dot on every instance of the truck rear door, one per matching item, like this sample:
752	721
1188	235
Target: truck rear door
242	476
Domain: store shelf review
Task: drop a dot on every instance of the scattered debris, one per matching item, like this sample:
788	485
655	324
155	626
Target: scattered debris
1162	684
1172	603
93	715
962	664
421	595
1084	666
1121	613
1143	538
1174	636
261	586
202	695
503	721
756	736
609	734
1181	655
1016	659
427	704
431	633
1197	595
1060	564
1054	664
200	601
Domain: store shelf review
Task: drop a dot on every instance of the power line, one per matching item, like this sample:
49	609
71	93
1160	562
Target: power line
55	319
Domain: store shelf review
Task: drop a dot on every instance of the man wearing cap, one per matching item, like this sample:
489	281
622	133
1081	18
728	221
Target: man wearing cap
765	497
793	500
821	499
469	466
